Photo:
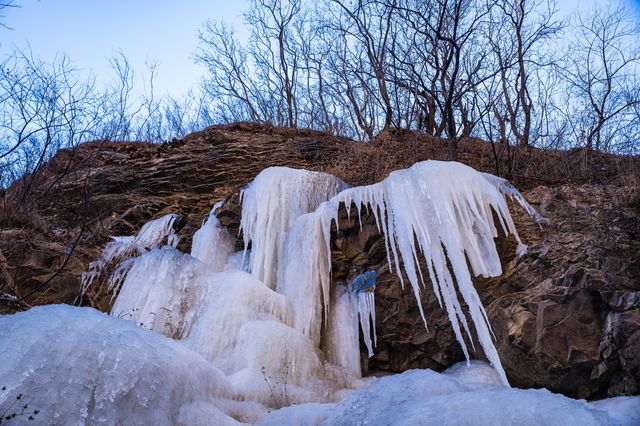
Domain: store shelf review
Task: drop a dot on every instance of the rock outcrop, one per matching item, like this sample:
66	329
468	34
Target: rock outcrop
566	315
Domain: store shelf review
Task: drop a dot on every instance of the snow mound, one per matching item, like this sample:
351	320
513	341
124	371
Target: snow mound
463	395
79	366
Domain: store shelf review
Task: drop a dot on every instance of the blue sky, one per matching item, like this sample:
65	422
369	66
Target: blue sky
90	31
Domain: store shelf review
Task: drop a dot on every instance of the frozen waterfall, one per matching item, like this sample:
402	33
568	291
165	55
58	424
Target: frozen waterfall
284	332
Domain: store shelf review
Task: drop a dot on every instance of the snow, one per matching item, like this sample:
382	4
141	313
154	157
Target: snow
463	395
80	366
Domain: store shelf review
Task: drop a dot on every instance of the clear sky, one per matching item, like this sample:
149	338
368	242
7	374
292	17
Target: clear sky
90	31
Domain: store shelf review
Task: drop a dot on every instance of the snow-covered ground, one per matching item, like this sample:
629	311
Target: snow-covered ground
215	337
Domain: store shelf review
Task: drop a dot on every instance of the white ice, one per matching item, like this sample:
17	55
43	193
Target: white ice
446	207
363	302
270	205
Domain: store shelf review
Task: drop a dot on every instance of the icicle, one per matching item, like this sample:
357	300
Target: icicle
364	303
271	204
446	208
212	244
304	273
341	340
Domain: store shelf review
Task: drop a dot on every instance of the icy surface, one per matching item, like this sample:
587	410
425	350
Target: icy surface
468	395
212	243
162	290
341	340
270	205
153	234
79	366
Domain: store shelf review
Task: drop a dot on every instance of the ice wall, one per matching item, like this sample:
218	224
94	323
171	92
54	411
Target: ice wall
440	211
284	328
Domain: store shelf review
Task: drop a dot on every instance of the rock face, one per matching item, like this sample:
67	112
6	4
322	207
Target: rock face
566	315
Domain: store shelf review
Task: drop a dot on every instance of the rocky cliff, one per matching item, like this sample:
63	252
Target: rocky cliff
566	315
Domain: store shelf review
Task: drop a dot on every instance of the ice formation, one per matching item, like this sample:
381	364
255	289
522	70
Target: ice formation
446	207
364	303
212	244
442	210
153	234
271	204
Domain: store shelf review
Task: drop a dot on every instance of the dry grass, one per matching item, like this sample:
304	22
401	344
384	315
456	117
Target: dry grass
366	163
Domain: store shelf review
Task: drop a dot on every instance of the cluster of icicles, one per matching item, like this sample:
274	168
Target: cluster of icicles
271	310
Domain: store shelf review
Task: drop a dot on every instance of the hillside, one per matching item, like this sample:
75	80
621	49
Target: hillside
566	316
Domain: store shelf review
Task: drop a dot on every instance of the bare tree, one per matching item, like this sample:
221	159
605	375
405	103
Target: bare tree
602	70
5	5
45	107
517	33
